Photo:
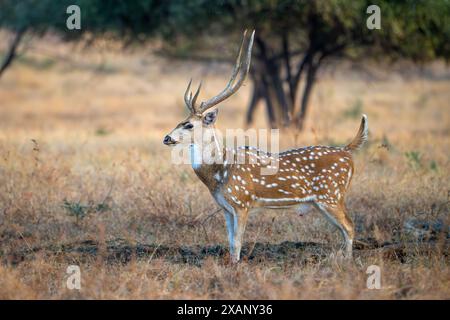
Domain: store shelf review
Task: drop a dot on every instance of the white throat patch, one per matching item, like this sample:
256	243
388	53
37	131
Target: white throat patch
196	156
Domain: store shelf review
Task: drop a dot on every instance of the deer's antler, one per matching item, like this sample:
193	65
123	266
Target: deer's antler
241	68
189	100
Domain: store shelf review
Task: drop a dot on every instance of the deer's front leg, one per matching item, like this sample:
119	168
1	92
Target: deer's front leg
229	219
240	221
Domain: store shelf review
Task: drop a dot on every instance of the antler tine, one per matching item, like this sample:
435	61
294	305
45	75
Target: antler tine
194	100
230	89
187	99
249	52
238	63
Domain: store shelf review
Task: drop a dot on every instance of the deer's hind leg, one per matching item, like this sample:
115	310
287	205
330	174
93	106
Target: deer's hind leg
340	218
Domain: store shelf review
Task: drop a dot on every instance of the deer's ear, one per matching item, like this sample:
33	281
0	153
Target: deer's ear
210	117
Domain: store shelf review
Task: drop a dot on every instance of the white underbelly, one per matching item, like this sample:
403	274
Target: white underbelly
302	208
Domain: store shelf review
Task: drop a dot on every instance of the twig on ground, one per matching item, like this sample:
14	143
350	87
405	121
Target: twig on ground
210	215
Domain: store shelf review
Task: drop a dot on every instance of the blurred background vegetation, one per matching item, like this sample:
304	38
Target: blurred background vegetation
294	38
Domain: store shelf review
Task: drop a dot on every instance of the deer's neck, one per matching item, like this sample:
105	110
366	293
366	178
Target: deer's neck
196	155
203	159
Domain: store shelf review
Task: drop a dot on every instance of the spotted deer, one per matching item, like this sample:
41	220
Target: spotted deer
309	177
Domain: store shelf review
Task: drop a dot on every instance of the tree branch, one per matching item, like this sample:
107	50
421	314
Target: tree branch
301	67
273	71
12	50
287	63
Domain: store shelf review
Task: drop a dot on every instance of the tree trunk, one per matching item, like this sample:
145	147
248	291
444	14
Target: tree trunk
269	102
310	79
257	96
12	50
273	71
289	78
280	95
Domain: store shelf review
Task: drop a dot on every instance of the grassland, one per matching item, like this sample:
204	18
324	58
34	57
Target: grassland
85	179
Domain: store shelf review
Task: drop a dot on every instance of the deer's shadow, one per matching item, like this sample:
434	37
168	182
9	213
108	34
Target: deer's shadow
121	251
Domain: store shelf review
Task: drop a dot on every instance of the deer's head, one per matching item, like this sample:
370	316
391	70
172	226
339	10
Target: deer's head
199	115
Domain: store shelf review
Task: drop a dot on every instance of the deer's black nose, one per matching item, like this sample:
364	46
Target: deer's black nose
168	140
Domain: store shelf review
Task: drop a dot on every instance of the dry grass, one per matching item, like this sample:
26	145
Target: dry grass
88	131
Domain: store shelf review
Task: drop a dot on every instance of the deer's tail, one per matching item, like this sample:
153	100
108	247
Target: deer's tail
361	136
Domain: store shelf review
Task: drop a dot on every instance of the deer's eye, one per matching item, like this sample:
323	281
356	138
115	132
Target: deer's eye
188	126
